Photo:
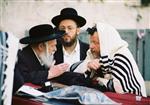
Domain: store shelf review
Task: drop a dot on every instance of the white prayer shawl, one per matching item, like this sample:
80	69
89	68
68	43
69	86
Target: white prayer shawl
116	57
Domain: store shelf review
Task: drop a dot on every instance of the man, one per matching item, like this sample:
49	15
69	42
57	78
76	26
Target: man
35	62
70	50
110	62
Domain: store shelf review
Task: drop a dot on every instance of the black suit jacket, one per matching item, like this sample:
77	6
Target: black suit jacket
58	56
30	68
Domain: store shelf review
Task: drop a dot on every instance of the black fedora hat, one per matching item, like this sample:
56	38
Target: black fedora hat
69	13
41	33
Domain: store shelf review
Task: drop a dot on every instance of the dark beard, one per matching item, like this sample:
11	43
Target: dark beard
68	44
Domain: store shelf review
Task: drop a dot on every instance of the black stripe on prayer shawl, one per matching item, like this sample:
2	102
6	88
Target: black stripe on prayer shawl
105	61
103	57
111	61
128	74
135	82
138	85
122	81
127	79
106	69
75	65
102	61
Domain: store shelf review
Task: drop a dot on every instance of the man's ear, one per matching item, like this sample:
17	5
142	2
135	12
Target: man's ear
41	46
78	31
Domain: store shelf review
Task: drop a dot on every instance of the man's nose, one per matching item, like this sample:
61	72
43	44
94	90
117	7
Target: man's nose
91	46
55	49
66	31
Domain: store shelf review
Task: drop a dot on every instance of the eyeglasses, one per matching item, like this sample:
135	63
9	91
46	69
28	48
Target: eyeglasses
68	28
91	30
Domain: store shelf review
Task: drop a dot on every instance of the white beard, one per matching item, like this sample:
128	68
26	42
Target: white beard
47	59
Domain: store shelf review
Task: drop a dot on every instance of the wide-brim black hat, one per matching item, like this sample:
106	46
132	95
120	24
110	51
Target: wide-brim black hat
42	33
68	13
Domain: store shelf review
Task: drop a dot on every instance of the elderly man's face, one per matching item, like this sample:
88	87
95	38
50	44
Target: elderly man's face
95	45
47	53
71	29
51	46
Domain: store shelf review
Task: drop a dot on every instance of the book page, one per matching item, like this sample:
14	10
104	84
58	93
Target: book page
30	91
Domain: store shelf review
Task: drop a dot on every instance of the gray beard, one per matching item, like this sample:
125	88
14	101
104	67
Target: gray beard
46	60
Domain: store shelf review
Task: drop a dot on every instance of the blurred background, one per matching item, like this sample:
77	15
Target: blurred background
130	17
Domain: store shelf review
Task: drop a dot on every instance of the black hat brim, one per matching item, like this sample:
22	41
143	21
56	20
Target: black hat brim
30	40
78	19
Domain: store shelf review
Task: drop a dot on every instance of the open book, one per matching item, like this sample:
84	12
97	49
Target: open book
26	90
83	95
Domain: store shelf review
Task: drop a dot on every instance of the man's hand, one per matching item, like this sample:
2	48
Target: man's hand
57	70
93	64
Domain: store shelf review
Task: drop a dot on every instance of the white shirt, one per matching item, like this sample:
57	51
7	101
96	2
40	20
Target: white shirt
74	56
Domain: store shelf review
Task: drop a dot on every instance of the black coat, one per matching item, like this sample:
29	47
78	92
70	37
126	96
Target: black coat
30	68
18	80
58	56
